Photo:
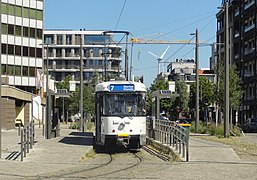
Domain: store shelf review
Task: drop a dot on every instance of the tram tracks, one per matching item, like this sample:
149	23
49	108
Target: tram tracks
156	153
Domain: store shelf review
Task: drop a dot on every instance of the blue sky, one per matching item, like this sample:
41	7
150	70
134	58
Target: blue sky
151	19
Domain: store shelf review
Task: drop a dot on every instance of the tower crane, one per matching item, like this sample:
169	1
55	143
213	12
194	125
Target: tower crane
156	41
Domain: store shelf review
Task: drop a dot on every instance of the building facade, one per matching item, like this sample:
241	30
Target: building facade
242	50
21	56
101	56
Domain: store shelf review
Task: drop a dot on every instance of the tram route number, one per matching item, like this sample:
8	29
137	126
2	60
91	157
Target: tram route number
122	87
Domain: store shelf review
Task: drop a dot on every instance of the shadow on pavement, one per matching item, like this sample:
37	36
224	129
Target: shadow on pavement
81	134
78	138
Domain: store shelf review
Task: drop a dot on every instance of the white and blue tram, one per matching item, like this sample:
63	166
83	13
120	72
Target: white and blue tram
120	114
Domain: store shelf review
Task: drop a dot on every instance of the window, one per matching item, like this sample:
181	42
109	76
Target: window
48	39
124	104
77	39
10	29
11	9
4	29
18	30
39	15
32	52
18	50
32	71
25	12
68	39
26	31
4	48
25	51
32	32
17	70
32	13
10	49
98	39
10	70
39	33
4	8
18	11
39	52
59	38
25	71
4	69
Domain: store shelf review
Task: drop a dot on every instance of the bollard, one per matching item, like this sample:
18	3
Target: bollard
19	130
22	147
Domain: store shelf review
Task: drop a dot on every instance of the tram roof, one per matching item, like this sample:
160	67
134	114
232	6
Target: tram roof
105	86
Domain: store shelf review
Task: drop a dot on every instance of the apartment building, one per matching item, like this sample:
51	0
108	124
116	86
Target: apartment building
21	41
101	56
242	50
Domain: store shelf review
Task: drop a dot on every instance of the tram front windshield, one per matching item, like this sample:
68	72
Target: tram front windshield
124	104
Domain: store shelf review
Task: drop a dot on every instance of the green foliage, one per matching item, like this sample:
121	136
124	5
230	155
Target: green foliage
206	94
214	130
236	131
183	99
158	85
64	85
235	89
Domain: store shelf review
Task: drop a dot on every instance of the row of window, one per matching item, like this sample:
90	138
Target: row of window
17	50
22	31
88	52
21	11
17	70
62	39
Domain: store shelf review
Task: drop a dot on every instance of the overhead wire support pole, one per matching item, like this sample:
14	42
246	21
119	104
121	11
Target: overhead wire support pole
197	81
0	82
131	62
82	124
126	50
48	111
126	59
226	123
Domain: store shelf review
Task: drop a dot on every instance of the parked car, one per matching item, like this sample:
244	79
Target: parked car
250	125
184	122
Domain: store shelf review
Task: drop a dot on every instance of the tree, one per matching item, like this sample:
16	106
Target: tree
206	94
158	85
183	99
235	90
59	102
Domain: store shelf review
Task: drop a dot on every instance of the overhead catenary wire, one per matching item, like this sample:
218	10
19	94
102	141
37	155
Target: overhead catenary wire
120	15
176	21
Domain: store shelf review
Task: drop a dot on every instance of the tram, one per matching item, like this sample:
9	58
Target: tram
120	114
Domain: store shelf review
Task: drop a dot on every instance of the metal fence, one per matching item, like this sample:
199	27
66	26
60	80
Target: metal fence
27	134
170	133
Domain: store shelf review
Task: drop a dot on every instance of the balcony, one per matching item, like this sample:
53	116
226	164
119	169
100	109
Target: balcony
249	5
248	51
248	28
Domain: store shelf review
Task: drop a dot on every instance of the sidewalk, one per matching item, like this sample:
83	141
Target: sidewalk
63	153
47	155
207	151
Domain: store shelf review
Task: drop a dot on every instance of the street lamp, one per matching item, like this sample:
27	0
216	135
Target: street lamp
197	81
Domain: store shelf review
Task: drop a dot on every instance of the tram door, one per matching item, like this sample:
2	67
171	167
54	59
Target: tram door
98	110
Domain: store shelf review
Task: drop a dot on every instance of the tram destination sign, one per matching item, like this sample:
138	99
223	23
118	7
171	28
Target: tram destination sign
122	87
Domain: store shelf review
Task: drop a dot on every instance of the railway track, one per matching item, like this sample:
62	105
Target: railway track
157	153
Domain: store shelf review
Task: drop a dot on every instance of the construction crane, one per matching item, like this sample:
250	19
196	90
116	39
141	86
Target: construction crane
155	41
